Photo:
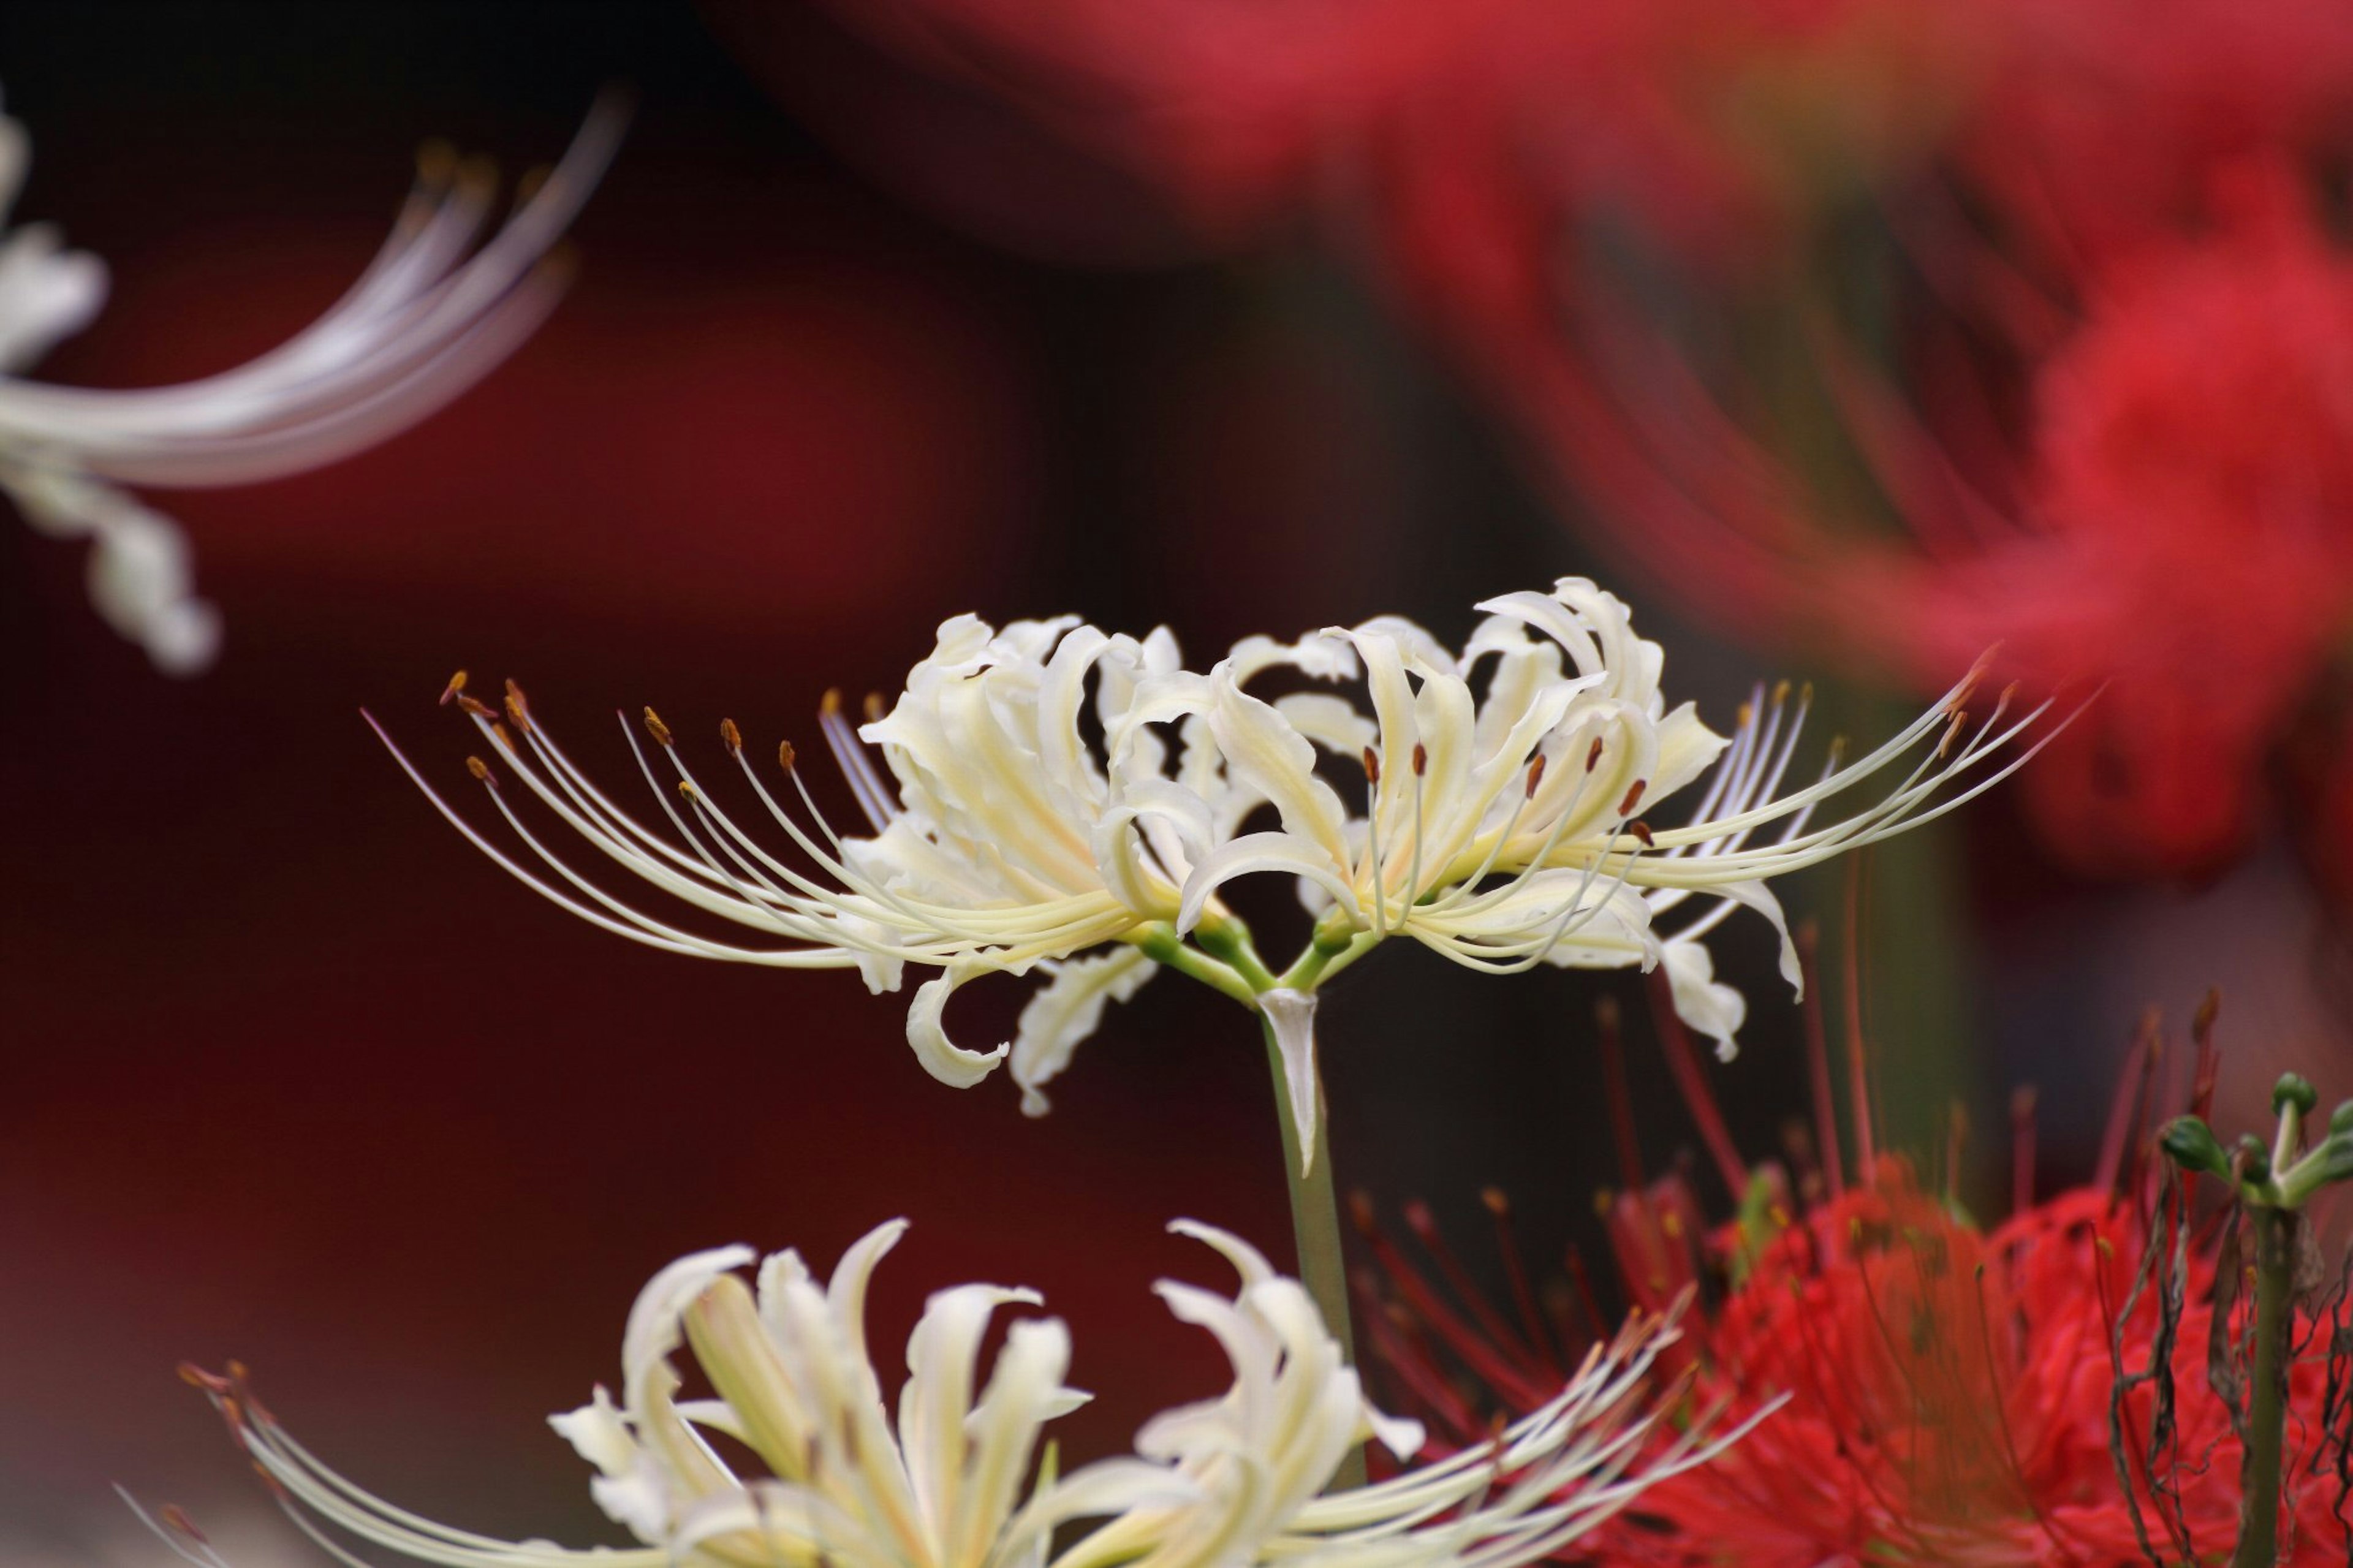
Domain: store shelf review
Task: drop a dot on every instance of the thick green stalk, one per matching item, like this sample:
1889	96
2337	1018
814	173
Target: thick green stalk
1315	1226
2259	1477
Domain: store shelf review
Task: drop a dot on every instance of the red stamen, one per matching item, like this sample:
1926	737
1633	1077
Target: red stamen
1684	1063
2021	1149
1857	1070
2123	1108
1620	1098
2209	1060
1419	1220
1524	1295
1818	1061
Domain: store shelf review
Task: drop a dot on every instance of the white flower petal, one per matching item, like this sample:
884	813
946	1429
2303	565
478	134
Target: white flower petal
927	1033
1712	1008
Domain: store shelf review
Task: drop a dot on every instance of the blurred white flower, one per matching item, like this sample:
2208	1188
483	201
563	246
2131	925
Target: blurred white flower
1075	803
432	313
955	1480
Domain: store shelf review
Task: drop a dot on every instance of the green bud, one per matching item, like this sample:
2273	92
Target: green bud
2337	1158
2293	1089
2189	1144
2341	1119
2255	1160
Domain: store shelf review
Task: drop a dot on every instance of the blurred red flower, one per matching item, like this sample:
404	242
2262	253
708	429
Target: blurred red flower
1760	278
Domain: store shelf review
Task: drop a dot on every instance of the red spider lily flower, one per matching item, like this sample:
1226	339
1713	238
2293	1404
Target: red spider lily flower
2155	493
2057	1388
2047	177
2194	452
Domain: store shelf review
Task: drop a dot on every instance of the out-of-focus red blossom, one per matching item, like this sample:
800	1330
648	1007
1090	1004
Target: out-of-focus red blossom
2188	533
2047	171
2120	110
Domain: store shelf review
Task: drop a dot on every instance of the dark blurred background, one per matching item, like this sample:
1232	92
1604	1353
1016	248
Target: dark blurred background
292	1075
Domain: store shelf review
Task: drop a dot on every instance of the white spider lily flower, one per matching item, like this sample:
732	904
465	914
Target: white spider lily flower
442	302
953	1479
1035	814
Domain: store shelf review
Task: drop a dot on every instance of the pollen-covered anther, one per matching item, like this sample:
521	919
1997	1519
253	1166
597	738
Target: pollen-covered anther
785	754
176	1518
1535	774
731	737
477	710
1593	754
504	737
1372	767
1420	759
518	706
830	704
1633	797
1361	1213
1959	722
197	1377
875	708
481	772
686	788
457	685
1638	828
437	162
658	731
1497	1202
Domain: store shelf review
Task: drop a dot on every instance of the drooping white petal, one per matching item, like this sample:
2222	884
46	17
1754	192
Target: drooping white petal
1709	1006
927	1033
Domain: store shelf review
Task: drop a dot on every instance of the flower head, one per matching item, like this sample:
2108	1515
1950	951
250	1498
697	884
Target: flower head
2064	1386
1062	800
433	312
952	1480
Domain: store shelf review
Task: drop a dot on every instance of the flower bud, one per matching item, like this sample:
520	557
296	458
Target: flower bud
2191	1145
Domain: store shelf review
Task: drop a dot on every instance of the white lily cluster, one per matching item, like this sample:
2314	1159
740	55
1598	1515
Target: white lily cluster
438	307
1054	798
955	1481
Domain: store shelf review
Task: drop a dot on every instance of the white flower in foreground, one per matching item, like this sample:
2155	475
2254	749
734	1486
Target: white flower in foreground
953	1480
1074	803
431	314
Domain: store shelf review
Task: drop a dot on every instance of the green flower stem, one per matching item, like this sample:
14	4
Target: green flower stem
1333	949
1226	939
1163	945
2259	1479
1315	1225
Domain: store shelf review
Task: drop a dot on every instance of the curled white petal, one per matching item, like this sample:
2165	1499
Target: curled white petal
927	1033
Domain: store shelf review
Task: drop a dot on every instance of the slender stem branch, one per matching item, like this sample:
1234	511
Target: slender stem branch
1163	945
1315	1226
2259	1483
